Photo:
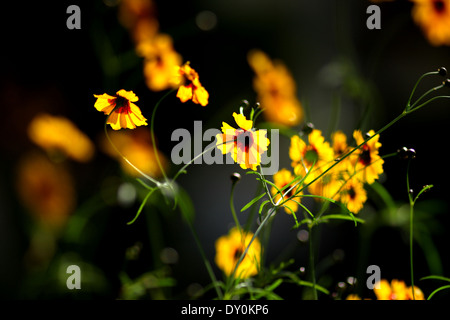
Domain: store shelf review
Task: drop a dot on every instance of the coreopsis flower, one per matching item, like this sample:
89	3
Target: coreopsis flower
433	16
190	87
139	17
58	135
368	165
396	290
276	90
245	144
353	194
160	61
229	249
304	155
46	189
281	179
122	112
138	149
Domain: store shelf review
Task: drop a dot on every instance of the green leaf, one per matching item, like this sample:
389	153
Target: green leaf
262	206
435	278
437	290
341	217
248	205
141	207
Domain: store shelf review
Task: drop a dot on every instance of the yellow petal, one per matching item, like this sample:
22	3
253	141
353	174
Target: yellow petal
242	121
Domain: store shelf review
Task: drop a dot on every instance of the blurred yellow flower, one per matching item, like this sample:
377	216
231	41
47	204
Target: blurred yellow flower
433	16
59	134
276	90
281	179
367	162
190	87
138	149
139	17
245	144
122	112
229	249
46	189
160	62
396	290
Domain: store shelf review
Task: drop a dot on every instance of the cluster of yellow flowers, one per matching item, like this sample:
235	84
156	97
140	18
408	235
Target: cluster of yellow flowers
396	290
163	67
327	169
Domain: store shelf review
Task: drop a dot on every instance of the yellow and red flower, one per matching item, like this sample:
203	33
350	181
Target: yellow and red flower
281	179
317	152
245	144
276	90
396	290
58	135
229	249
160	61
122	112
353	195
190	87
366	161
433	16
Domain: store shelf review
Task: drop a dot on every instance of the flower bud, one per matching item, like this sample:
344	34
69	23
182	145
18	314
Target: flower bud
235	177
406	154
442	71
307	128
447	83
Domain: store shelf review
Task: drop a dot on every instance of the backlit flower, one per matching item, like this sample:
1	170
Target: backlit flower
60	135
138	149
229	249
245	144
160	61
367	162
396	290
190	87
304	155
122	112
46	189
353	195
276	90
433	16
281	179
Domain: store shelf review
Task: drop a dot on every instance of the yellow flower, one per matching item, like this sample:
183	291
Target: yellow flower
433	16
138	149
190	86
139	17
46	189
245	144
229	249
396	290
160	61
368	164
276	90
122	112
59	134
317	152
353	195
281	179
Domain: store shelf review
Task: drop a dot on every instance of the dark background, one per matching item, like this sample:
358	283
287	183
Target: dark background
45	66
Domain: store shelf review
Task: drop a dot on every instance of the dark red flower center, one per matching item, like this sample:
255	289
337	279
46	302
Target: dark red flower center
243	140
364	157
290	193
439	6
122	105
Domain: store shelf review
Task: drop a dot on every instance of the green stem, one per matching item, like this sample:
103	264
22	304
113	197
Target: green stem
311	263
152	132
411	221
233	211
157	183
